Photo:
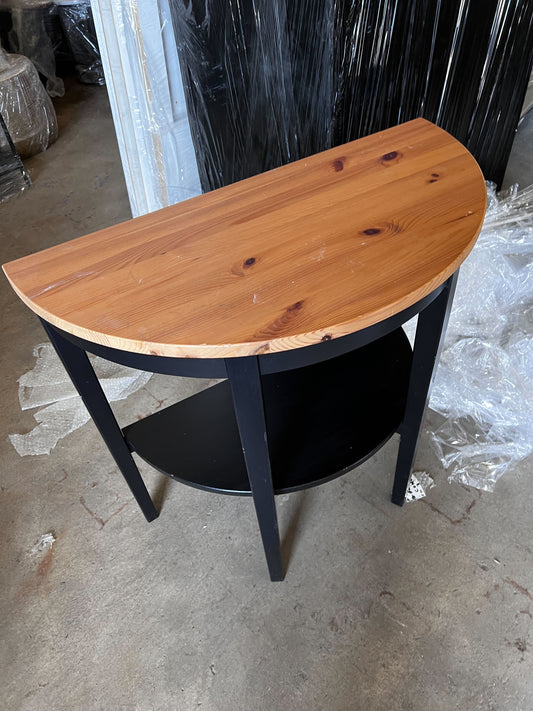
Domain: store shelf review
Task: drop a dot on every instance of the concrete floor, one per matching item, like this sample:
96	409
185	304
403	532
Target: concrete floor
425	607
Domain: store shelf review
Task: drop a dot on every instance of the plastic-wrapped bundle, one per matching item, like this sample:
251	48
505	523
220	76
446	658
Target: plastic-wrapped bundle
34	33
258	80
484	382
271	81
25	106
13	177
139	56
77	22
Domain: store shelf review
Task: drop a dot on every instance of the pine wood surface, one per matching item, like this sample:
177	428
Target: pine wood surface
310	251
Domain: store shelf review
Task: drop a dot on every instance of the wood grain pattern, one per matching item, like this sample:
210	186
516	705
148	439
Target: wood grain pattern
310	251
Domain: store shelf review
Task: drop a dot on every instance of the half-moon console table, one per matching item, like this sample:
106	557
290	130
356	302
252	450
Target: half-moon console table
293	286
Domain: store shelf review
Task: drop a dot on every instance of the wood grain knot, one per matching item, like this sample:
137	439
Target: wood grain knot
371	231
434	178
295	307
248	262
390	158
338	164
282	323
326	337
263	348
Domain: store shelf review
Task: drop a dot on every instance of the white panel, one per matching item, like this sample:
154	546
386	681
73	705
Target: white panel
147	101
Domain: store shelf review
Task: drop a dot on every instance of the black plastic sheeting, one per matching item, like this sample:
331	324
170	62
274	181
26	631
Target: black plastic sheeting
271	81
13	176
78	26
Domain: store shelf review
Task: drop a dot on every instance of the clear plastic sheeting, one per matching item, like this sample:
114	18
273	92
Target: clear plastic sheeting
78	25
144	84
208	92
33	34
271	81
25	106
62	411
484	383
259	80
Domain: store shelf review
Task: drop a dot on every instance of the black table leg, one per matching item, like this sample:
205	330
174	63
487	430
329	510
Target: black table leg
430	332
245	382
81	373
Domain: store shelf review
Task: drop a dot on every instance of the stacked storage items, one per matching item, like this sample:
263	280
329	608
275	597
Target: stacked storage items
270	81
25	106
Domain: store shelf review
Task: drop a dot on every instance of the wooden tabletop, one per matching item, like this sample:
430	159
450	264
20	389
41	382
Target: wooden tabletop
310	251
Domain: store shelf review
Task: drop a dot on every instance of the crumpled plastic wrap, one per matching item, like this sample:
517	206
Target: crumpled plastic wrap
62	411
33	34
25	106
484	382
78	25
13	176
271	81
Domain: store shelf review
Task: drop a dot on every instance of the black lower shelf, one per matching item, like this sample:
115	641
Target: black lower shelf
322	420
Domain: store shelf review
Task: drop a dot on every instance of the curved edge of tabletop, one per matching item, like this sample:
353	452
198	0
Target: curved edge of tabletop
248	348
274	344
